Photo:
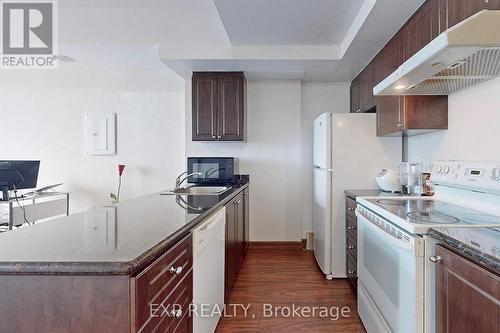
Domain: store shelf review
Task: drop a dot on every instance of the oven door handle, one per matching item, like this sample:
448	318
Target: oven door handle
405	245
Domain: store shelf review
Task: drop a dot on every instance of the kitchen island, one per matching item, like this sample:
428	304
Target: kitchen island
100	270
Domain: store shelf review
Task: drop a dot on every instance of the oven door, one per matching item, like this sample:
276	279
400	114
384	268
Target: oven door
390	274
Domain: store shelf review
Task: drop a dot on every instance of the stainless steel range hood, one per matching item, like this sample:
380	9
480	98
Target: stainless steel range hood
462	56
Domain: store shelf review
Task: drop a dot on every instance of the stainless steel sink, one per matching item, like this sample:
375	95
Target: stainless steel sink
198	190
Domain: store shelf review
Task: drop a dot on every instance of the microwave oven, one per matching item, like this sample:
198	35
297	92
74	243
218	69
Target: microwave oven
212	170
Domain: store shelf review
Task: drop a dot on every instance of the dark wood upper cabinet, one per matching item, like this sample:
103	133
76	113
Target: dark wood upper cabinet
218	106
459	10
422	28
362	99
355	107
231	89
204	90
389	58
367	99
493	4
467	296
411	114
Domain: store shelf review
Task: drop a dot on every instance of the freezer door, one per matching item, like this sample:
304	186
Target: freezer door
322	219
322	141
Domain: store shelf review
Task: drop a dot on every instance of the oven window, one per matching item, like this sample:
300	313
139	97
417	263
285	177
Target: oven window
382	261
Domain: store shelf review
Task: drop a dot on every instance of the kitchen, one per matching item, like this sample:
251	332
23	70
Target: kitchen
273	83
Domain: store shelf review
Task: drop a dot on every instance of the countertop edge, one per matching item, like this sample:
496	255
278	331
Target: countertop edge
112	268
482	259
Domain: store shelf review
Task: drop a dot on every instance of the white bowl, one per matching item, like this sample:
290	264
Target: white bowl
388	180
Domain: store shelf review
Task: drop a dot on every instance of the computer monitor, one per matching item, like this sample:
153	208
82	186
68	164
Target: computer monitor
18	174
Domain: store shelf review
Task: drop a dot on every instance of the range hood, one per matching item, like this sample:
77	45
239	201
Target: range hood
462	56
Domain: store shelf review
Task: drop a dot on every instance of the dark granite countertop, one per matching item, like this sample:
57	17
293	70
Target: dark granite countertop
481	245
114	240
369	193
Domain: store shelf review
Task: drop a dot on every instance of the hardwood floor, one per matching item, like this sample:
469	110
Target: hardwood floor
272	279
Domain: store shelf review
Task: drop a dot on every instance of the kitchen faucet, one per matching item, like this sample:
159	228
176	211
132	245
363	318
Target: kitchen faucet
179	180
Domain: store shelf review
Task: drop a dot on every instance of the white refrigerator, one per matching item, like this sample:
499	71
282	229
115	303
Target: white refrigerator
347	154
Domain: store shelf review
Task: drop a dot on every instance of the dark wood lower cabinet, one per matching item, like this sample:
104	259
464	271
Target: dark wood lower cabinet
154	300
351	233
236	239
246	204
159	290
467	296
62	303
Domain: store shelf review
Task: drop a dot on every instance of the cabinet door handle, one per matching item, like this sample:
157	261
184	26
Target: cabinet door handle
176	313
436	259
351	247
351	272
219	136
399	125
213	137
351	228
176	271
350	209
237	202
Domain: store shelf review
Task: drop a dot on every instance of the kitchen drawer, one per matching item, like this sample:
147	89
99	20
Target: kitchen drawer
351	271
352	243
177	301
351	266
352	226
155	283
351	205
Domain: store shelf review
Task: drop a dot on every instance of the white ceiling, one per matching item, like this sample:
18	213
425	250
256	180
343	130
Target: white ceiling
359	38
287	22
313	40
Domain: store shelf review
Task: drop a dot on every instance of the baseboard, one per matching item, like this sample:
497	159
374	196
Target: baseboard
275	245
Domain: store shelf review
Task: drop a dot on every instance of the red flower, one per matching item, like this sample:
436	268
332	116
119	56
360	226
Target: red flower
121	167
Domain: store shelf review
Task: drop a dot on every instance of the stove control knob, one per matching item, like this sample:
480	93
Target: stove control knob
496	173
439	169
446	169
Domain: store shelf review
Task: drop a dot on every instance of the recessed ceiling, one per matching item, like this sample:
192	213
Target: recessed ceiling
287	22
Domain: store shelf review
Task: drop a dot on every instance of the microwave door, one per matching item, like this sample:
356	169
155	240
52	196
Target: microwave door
211	170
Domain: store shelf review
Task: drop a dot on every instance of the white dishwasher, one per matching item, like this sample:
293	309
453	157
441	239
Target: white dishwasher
208	272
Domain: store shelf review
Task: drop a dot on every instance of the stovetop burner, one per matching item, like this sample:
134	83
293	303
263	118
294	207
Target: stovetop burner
431	217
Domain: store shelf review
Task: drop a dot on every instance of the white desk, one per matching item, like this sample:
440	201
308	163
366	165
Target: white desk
36	207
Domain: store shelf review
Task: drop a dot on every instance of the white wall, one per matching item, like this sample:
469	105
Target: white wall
474	128
317	98
277	154
45	121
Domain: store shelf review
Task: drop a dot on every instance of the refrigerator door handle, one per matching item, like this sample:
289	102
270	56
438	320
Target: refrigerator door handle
318	167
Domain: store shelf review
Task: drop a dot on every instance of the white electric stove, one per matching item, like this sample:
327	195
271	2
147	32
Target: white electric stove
394	276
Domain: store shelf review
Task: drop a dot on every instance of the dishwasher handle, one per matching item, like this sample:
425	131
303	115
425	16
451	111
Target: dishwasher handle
208	226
